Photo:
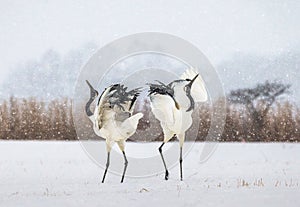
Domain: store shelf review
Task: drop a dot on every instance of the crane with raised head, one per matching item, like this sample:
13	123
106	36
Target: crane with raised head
173	104
113	117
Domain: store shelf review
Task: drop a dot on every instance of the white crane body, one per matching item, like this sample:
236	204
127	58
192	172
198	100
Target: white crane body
113	117
173	105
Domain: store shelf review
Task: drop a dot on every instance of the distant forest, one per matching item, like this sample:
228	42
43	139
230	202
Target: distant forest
252	115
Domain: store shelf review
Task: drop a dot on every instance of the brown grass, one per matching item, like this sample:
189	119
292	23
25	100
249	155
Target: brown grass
33	119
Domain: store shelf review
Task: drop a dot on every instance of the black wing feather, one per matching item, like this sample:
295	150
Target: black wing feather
120	96
163	89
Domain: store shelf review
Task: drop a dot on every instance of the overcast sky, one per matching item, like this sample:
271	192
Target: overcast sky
218	28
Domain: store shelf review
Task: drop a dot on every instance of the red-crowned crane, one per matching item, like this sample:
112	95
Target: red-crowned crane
173	105
113	118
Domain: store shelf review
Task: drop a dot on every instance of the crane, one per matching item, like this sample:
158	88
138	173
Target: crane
113	117
172	104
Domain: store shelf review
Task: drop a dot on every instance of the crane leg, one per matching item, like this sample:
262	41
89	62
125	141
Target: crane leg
107	165
162	157
125	166
180	161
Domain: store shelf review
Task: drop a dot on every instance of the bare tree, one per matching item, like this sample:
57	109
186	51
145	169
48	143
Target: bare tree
258	101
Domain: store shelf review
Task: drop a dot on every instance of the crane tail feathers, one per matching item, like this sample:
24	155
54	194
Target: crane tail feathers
130	124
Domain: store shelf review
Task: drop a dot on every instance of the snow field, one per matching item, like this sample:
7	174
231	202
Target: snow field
237	174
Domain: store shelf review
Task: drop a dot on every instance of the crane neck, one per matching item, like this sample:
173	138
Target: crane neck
88	108
192	102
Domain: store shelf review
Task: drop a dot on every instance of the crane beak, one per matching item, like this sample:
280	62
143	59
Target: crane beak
192	81
93	91
90	85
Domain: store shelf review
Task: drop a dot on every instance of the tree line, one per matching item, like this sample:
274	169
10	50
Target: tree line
251	115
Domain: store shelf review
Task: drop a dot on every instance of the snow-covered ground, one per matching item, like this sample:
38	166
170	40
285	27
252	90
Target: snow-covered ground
237	174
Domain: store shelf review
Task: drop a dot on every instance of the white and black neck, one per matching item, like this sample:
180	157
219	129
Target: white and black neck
188	89
93	95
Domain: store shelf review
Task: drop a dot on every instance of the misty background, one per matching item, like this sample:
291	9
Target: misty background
43	44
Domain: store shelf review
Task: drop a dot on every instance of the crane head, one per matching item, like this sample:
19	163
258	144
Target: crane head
191	81
196	84
93	92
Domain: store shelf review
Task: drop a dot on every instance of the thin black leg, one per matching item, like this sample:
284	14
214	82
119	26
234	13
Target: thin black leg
125	167
107	165
162	157
180	161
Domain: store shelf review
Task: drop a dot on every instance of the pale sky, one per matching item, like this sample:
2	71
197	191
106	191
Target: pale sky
218	28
